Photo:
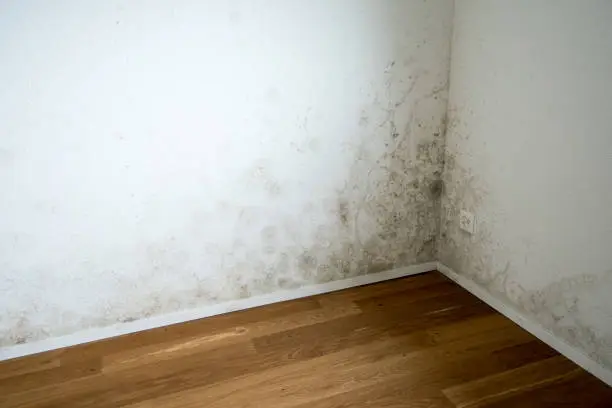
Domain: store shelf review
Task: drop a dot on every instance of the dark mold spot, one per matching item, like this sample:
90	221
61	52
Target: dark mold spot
307	261
435	188
343	212
428	245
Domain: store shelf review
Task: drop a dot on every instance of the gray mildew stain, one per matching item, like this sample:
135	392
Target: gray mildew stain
568	307
463	189
565	306
477	256
21	332
384	216
388	207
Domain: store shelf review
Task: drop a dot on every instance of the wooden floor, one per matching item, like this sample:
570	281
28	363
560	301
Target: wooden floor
420	341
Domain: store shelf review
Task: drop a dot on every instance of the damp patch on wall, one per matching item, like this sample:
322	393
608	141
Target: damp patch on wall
382	216
237	152
572	308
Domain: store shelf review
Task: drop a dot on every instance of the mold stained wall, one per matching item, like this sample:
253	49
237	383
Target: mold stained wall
163	156
529	151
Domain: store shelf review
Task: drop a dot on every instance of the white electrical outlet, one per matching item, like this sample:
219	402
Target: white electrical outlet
466	221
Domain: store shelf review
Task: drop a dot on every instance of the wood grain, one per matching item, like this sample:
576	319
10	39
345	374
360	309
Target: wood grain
420	341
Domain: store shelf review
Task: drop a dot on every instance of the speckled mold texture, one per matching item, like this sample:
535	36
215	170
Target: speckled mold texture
318	159
572	308
205	152
384	216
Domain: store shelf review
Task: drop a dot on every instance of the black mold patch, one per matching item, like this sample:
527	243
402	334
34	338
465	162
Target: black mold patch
435	189
384	216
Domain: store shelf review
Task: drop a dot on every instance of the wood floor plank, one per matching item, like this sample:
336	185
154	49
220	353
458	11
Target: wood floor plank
53	376
412	296
525	353
30	364
382	288
384	396
288	380
577	389
227	335
420	341
488	389
475	326
136	383
402	357
325	338
178	332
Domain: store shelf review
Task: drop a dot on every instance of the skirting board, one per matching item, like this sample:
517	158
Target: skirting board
533	327
119	329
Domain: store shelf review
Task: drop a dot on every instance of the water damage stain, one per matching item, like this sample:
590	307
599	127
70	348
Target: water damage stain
568	308
384	216
564	307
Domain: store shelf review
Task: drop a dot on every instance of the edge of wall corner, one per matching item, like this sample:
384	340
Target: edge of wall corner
96	334
533	327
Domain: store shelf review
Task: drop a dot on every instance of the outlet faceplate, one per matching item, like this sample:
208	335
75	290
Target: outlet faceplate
466	221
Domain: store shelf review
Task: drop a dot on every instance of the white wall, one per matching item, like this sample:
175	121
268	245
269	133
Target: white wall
529	151
157	156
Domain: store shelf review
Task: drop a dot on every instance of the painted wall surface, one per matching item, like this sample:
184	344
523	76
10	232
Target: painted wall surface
529	151
158	156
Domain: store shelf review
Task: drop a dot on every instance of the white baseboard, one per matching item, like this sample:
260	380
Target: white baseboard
533	327
119	329
505	308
